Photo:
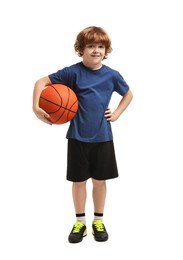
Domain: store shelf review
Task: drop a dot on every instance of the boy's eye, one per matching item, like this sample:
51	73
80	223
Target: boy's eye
93	46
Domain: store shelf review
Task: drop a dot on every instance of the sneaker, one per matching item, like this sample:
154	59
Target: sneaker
77	233
98	230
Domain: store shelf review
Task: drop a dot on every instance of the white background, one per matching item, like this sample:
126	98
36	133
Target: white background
143	212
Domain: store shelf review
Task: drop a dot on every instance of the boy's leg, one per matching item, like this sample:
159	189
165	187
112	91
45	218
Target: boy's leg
79	198
99	195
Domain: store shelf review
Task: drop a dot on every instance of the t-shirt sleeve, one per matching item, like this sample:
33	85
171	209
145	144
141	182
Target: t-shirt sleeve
60	77
121	87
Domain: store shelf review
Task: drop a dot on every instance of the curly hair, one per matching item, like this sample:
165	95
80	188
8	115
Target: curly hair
92	34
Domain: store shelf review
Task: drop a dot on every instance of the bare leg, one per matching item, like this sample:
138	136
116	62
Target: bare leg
99	195
79	196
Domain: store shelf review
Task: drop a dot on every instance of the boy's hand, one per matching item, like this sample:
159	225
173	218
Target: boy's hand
42	115
110	116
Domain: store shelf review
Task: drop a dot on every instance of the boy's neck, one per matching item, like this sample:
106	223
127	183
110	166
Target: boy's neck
95	67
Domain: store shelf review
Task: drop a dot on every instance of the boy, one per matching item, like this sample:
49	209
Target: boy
90	141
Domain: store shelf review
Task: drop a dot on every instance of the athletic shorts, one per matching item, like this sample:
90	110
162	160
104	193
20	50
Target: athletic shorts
91	160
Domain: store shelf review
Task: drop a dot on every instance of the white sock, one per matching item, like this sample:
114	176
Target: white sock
98	216
81	219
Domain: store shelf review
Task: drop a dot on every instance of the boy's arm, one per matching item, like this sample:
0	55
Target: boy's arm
125	101
38	87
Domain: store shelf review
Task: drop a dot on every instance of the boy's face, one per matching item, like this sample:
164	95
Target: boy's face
93	55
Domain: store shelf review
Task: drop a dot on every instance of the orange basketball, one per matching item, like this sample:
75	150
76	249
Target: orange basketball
60	102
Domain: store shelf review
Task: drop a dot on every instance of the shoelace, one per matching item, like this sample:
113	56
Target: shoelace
99	225
77	227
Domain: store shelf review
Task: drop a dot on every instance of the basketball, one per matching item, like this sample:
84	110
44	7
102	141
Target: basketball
60	102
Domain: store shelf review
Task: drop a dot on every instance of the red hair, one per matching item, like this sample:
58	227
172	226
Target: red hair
89	35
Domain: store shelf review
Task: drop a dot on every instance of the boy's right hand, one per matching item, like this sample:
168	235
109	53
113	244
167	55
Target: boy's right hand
42	115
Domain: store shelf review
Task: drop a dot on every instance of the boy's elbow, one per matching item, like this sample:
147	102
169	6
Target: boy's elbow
129	94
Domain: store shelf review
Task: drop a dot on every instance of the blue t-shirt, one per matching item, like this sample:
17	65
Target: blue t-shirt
94	89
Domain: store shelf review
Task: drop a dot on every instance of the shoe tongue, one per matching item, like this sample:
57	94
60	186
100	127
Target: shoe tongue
77	227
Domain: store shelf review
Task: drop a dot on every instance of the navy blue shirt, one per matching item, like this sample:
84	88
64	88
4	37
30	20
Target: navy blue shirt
94	89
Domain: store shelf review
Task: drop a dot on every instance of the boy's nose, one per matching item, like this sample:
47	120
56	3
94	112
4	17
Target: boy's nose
96	49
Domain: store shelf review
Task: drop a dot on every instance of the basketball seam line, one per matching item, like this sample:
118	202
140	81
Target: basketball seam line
60	106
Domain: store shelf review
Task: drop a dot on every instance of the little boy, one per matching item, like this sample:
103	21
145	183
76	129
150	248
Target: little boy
91	153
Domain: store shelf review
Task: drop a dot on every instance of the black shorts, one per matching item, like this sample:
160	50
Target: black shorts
91	160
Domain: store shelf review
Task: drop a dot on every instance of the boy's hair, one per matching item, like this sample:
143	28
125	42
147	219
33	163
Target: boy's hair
92	34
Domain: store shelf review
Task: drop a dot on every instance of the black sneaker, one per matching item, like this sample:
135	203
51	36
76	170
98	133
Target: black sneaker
98	230
77	233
